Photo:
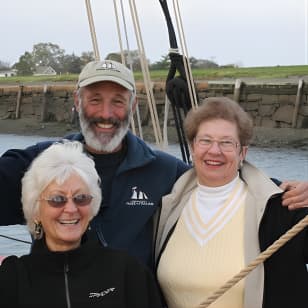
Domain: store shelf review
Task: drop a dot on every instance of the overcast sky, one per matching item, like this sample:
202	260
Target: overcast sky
245	32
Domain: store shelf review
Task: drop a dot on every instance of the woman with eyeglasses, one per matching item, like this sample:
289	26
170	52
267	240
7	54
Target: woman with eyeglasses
221	215
60	195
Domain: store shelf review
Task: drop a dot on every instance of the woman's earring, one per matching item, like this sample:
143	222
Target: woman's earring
241	164
38	229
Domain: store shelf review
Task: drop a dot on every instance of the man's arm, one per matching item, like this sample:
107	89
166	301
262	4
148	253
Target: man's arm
296	194
13	165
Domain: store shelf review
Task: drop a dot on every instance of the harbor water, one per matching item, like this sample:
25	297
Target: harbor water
281	163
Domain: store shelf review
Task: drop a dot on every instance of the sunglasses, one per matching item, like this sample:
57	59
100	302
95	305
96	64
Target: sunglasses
60	201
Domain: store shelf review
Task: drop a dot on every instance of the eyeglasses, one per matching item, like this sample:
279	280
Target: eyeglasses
225	145
60	201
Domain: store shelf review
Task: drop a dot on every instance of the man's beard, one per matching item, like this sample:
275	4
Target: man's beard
102	141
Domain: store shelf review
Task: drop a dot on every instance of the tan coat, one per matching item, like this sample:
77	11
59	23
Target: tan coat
260	189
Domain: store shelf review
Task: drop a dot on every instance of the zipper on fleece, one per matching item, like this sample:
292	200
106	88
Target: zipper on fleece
67	292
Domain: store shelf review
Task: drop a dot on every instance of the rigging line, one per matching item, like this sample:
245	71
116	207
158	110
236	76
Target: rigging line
165	124
119	31
15	239
132	121
191	88
146	75
187	67
92	30
130	63
175	86
127	60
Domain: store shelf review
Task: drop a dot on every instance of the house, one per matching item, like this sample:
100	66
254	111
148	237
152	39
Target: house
44	71
8	73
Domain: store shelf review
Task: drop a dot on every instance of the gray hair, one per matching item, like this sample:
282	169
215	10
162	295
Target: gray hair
58	163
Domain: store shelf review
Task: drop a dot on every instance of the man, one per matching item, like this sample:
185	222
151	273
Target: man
134	177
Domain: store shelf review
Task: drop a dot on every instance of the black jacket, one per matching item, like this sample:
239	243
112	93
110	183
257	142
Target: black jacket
90	276
125	220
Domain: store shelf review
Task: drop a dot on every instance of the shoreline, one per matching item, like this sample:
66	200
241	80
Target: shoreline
264	137
32	127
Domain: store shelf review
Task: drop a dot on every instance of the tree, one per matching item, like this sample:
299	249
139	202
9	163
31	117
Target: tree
71	64
201	63
45	54
86	57
4	65
25	65
163	64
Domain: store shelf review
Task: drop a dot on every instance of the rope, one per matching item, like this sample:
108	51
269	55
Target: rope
119	32
261	258
146	75
92	30
179	22
165	125
132	121
130	63
14	239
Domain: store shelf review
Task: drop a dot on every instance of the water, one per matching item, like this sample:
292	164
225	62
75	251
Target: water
281	163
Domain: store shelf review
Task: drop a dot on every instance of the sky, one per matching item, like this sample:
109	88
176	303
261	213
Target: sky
243	32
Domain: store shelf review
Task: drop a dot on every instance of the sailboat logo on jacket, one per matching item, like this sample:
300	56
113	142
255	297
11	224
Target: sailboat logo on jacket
138	197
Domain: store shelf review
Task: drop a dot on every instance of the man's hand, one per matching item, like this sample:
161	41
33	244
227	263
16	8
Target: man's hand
296	194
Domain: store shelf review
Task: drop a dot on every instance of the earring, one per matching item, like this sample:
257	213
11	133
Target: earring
38	229
241	164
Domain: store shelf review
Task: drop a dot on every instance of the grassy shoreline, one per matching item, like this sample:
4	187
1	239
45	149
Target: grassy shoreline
295	71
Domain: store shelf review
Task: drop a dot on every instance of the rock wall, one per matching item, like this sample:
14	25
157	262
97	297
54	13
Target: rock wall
271	105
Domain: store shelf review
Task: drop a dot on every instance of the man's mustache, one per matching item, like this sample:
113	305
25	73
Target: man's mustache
100	120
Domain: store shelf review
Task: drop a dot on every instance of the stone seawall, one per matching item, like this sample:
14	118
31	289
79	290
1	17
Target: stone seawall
279	107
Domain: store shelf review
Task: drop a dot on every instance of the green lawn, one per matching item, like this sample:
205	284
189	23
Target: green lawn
217	73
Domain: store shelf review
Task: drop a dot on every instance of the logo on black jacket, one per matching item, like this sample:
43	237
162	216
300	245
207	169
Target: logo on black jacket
139	197
102	293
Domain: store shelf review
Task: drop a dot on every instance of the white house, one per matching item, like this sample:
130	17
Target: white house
8	73
44	71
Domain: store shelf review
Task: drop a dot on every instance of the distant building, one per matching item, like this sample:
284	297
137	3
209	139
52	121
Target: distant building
8	73
44	71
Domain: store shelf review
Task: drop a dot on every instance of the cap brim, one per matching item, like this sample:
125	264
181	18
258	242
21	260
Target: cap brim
95	79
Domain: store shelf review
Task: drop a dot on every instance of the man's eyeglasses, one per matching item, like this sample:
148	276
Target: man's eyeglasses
60	201
225	145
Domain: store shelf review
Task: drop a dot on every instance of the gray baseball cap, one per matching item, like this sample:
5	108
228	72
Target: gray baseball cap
106	70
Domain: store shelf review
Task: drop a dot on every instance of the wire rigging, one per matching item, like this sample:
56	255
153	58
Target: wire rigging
15	239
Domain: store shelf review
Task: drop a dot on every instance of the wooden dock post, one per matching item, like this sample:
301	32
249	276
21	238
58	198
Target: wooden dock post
18	102
297	102
44	104
237	90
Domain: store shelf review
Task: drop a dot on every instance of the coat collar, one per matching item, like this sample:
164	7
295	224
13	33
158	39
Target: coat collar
51	261
138	152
